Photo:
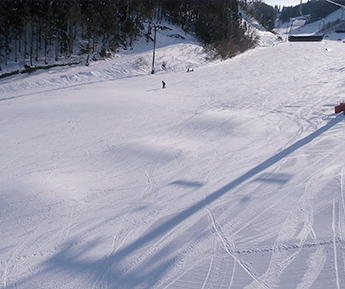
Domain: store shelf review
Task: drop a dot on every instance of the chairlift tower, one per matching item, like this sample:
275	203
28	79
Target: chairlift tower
158	17
154	48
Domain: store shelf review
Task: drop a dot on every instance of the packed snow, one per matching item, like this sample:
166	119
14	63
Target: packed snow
230	177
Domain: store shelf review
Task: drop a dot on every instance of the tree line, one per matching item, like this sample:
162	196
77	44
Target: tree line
49	31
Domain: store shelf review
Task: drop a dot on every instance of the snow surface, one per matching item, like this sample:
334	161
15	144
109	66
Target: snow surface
231	177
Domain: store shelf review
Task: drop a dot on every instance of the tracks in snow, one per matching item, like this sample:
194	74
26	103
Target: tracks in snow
338	224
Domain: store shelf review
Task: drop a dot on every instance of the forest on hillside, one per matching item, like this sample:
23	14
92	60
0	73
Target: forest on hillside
36	33
265	14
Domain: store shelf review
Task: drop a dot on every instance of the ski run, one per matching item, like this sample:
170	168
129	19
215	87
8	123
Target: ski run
230	177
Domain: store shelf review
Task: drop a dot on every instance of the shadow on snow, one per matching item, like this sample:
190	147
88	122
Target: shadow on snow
70	260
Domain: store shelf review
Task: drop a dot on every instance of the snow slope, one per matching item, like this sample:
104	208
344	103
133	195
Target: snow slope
231	177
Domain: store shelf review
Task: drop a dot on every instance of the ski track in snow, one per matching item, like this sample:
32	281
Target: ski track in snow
231	177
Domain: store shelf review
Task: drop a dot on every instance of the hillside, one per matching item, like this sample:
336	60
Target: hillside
41	34
231	177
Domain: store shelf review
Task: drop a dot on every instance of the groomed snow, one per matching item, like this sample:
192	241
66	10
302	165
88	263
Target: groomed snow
231	177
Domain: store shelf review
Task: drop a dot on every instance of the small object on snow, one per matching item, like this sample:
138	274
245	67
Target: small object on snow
163	84
339	108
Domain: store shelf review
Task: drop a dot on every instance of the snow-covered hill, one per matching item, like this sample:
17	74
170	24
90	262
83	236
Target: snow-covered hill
264	38
231	177
176	51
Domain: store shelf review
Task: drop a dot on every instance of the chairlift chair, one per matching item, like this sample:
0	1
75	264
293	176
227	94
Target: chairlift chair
304	37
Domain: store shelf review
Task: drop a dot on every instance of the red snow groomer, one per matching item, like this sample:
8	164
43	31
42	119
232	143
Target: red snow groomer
339	108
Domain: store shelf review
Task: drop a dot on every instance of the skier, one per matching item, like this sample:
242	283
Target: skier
163	83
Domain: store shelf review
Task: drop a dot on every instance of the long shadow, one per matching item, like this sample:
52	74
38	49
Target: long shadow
273	178
179	218
187	184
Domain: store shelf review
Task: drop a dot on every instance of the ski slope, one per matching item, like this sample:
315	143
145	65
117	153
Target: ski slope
231	177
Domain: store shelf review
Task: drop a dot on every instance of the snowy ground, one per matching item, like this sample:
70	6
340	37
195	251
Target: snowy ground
231	177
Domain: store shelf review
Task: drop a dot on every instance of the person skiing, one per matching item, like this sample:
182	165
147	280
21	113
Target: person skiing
163	84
